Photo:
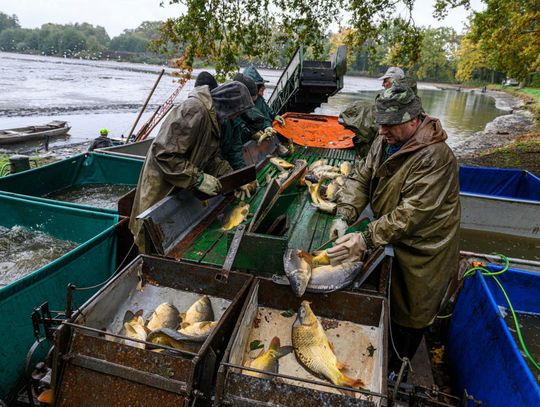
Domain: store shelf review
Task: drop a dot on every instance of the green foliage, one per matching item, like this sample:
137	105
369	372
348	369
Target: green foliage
505	37
437	54
7	22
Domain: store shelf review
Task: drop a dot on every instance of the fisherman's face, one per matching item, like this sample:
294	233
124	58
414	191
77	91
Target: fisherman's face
261	90
387	83
398	133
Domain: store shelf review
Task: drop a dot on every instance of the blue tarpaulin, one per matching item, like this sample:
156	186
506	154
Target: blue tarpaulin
500	182
485	358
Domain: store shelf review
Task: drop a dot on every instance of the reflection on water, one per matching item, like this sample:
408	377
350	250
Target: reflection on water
529	325
461	113
489	243
23	251
104	196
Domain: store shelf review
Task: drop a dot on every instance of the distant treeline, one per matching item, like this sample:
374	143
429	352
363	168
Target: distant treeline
79	40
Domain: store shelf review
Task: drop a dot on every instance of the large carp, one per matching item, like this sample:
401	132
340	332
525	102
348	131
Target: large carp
297	269
313	350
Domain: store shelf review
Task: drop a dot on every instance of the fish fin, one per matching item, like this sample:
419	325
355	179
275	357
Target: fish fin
182	316
139	313
274	343
331	345
306	256
46	397
284	351
184	325
128	316
350	382
341	366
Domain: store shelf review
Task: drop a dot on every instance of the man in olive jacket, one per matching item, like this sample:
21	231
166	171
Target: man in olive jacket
410	179
186	151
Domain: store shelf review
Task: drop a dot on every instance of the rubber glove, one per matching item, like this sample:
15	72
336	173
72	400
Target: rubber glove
208	184
338	228
245	191
257	136
350	246
279	119
268	133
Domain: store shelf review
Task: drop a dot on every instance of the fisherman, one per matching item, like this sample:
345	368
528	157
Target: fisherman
254	122
391	75
185	153
266	111
102	141
206	78
410	179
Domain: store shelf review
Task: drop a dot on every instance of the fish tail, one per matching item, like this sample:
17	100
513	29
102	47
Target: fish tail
349	381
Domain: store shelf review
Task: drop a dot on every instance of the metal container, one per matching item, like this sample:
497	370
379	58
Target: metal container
355	323
93	367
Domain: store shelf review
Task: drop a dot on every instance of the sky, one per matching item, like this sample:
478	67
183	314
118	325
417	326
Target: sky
118	15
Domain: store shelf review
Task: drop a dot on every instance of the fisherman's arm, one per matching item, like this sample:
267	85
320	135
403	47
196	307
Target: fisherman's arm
423	193
175	139
354	196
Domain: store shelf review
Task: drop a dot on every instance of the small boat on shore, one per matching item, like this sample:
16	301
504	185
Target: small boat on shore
53	129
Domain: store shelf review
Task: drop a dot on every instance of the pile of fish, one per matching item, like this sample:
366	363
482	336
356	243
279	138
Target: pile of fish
314	273
167	326
325	183
312	349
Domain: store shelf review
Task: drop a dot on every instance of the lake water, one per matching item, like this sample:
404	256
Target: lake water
95	94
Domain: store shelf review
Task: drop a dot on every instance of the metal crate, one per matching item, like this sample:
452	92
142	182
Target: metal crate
97	368
357	326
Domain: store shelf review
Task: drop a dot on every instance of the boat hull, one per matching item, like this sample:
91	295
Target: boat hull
31	133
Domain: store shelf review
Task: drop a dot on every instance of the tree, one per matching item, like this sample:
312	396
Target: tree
504	37
437	54
221	31
7	22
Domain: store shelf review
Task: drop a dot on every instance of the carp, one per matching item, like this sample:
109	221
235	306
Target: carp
317	163
135	329
317	200
281	164
269	360
164	316
297	270
200	310
328	278
314	351
237	216
198	331
345	168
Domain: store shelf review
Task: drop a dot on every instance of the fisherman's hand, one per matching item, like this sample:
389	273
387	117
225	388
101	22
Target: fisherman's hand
208	184
245	191
257	136
352	245
338	228
279	119
269	132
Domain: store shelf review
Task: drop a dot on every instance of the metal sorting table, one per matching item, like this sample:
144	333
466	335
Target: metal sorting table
355	323
262	254
91	363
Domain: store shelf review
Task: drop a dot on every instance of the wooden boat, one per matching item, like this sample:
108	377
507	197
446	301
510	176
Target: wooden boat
17	135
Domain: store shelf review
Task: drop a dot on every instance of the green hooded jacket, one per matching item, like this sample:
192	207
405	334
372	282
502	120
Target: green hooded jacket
260	103
232	147
187	144
414	195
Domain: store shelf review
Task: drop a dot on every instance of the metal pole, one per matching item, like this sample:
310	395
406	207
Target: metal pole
144	106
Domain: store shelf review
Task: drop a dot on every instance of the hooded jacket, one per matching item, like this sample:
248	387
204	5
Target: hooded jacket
414	195
260	104
187	144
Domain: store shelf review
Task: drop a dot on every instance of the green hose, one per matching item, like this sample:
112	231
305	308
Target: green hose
486	272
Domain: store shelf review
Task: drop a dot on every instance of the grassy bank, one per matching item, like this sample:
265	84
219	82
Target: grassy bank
524	151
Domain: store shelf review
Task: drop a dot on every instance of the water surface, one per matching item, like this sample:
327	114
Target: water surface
23	251
95	94
104	196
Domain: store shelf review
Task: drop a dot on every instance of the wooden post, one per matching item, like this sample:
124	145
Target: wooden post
144	106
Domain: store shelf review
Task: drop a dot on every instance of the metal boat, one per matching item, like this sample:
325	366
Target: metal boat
53	129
